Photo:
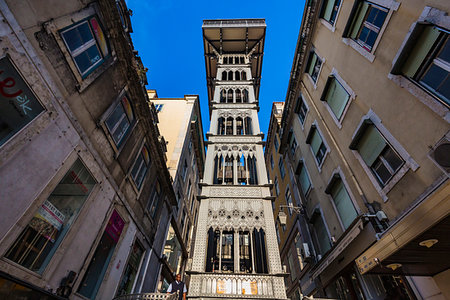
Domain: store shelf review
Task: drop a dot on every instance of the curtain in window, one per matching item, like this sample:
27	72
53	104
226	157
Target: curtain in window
316	141
371	145
336	97
343	203
304	179
328	9
359	18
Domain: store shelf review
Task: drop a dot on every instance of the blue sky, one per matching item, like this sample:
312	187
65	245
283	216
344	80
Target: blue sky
168	36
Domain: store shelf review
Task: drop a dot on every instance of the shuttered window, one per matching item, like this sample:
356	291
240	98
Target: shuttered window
336	97
317	145
303	178
344	204
329	10
313	67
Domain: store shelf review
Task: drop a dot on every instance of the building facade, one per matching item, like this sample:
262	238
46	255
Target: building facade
364	134
181	126
85	191
235	251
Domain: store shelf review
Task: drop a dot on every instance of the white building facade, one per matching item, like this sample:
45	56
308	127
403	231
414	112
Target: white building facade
236	252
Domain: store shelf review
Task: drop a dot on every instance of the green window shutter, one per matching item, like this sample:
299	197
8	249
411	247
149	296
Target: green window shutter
304	180
420	51
371	145
316	140
312	63
343	203
337	98
328	9
358	19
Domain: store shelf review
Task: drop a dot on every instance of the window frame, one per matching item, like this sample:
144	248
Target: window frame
334	75
389	5
439	19
298	108
139	186
314	127
281	167
103	120
371	119
302	163
313	52
330	25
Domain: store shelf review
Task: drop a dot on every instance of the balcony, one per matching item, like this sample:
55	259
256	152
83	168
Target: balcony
148	296
236	286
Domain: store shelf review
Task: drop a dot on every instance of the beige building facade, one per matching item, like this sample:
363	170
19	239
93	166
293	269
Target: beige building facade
365	139
180	124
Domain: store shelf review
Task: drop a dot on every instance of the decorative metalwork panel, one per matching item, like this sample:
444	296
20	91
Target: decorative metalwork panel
218	191
229	214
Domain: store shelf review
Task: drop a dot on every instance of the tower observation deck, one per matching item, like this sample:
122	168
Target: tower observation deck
236	252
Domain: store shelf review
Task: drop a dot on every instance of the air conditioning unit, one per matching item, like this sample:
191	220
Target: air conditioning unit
440	154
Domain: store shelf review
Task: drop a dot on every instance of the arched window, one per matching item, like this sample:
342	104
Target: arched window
242	60
230	96
245	96
248	125
230	60
238	96
221	126
244	75
229	126
237	75
225	60
224	75
252	172
239	126
230	75
242	171
223	96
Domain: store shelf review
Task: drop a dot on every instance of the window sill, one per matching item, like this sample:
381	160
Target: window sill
369	56
422	95
328	25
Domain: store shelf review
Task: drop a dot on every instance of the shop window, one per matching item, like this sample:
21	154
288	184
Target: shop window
96	270
281	167
303	177
131	270
301	109
336	97
428	62
341	198
87	44
36	245
140	167
329	10
317	145
377	154
120	120
367	23
173	250
313	66
18	105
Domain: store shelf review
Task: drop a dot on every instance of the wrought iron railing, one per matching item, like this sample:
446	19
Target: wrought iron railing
148	296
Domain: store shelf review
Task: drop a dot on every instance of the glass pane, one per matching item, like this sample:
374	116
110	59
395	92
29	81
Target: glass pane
172	250
364	34
372	14
77	36
444	90
136	167
445	52
394	161
434	76
371	38
43	234
382	173
87	58
101	40
18	105
379	19
117	124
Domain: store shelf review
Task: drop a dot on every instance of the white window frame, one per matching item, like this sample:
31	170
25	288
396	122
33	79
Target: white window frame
315	126
442	19
392	6
410	163
328	25
352	96
313	49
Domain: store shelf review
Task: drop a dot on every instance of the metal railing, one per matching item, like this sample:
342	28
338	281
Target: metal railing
148	296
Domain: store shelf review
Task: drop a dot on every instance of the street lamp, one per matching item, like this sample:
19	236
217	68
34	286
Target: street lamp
296	209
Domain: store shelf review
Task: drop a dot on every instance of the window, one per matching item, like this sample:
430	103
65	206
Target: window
292	266
131	270
120	120
158	107
272	164
344	205
335	95
329	10
313	66
377	154
18	105
277	187
299	248
318	147
275	143
281	167
303	178
96	270
122	15
140	167
288	198
293	144
87	44
173	250
184	170
154	200
278	233
367	23
44	233
428	63
301	109
321	232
